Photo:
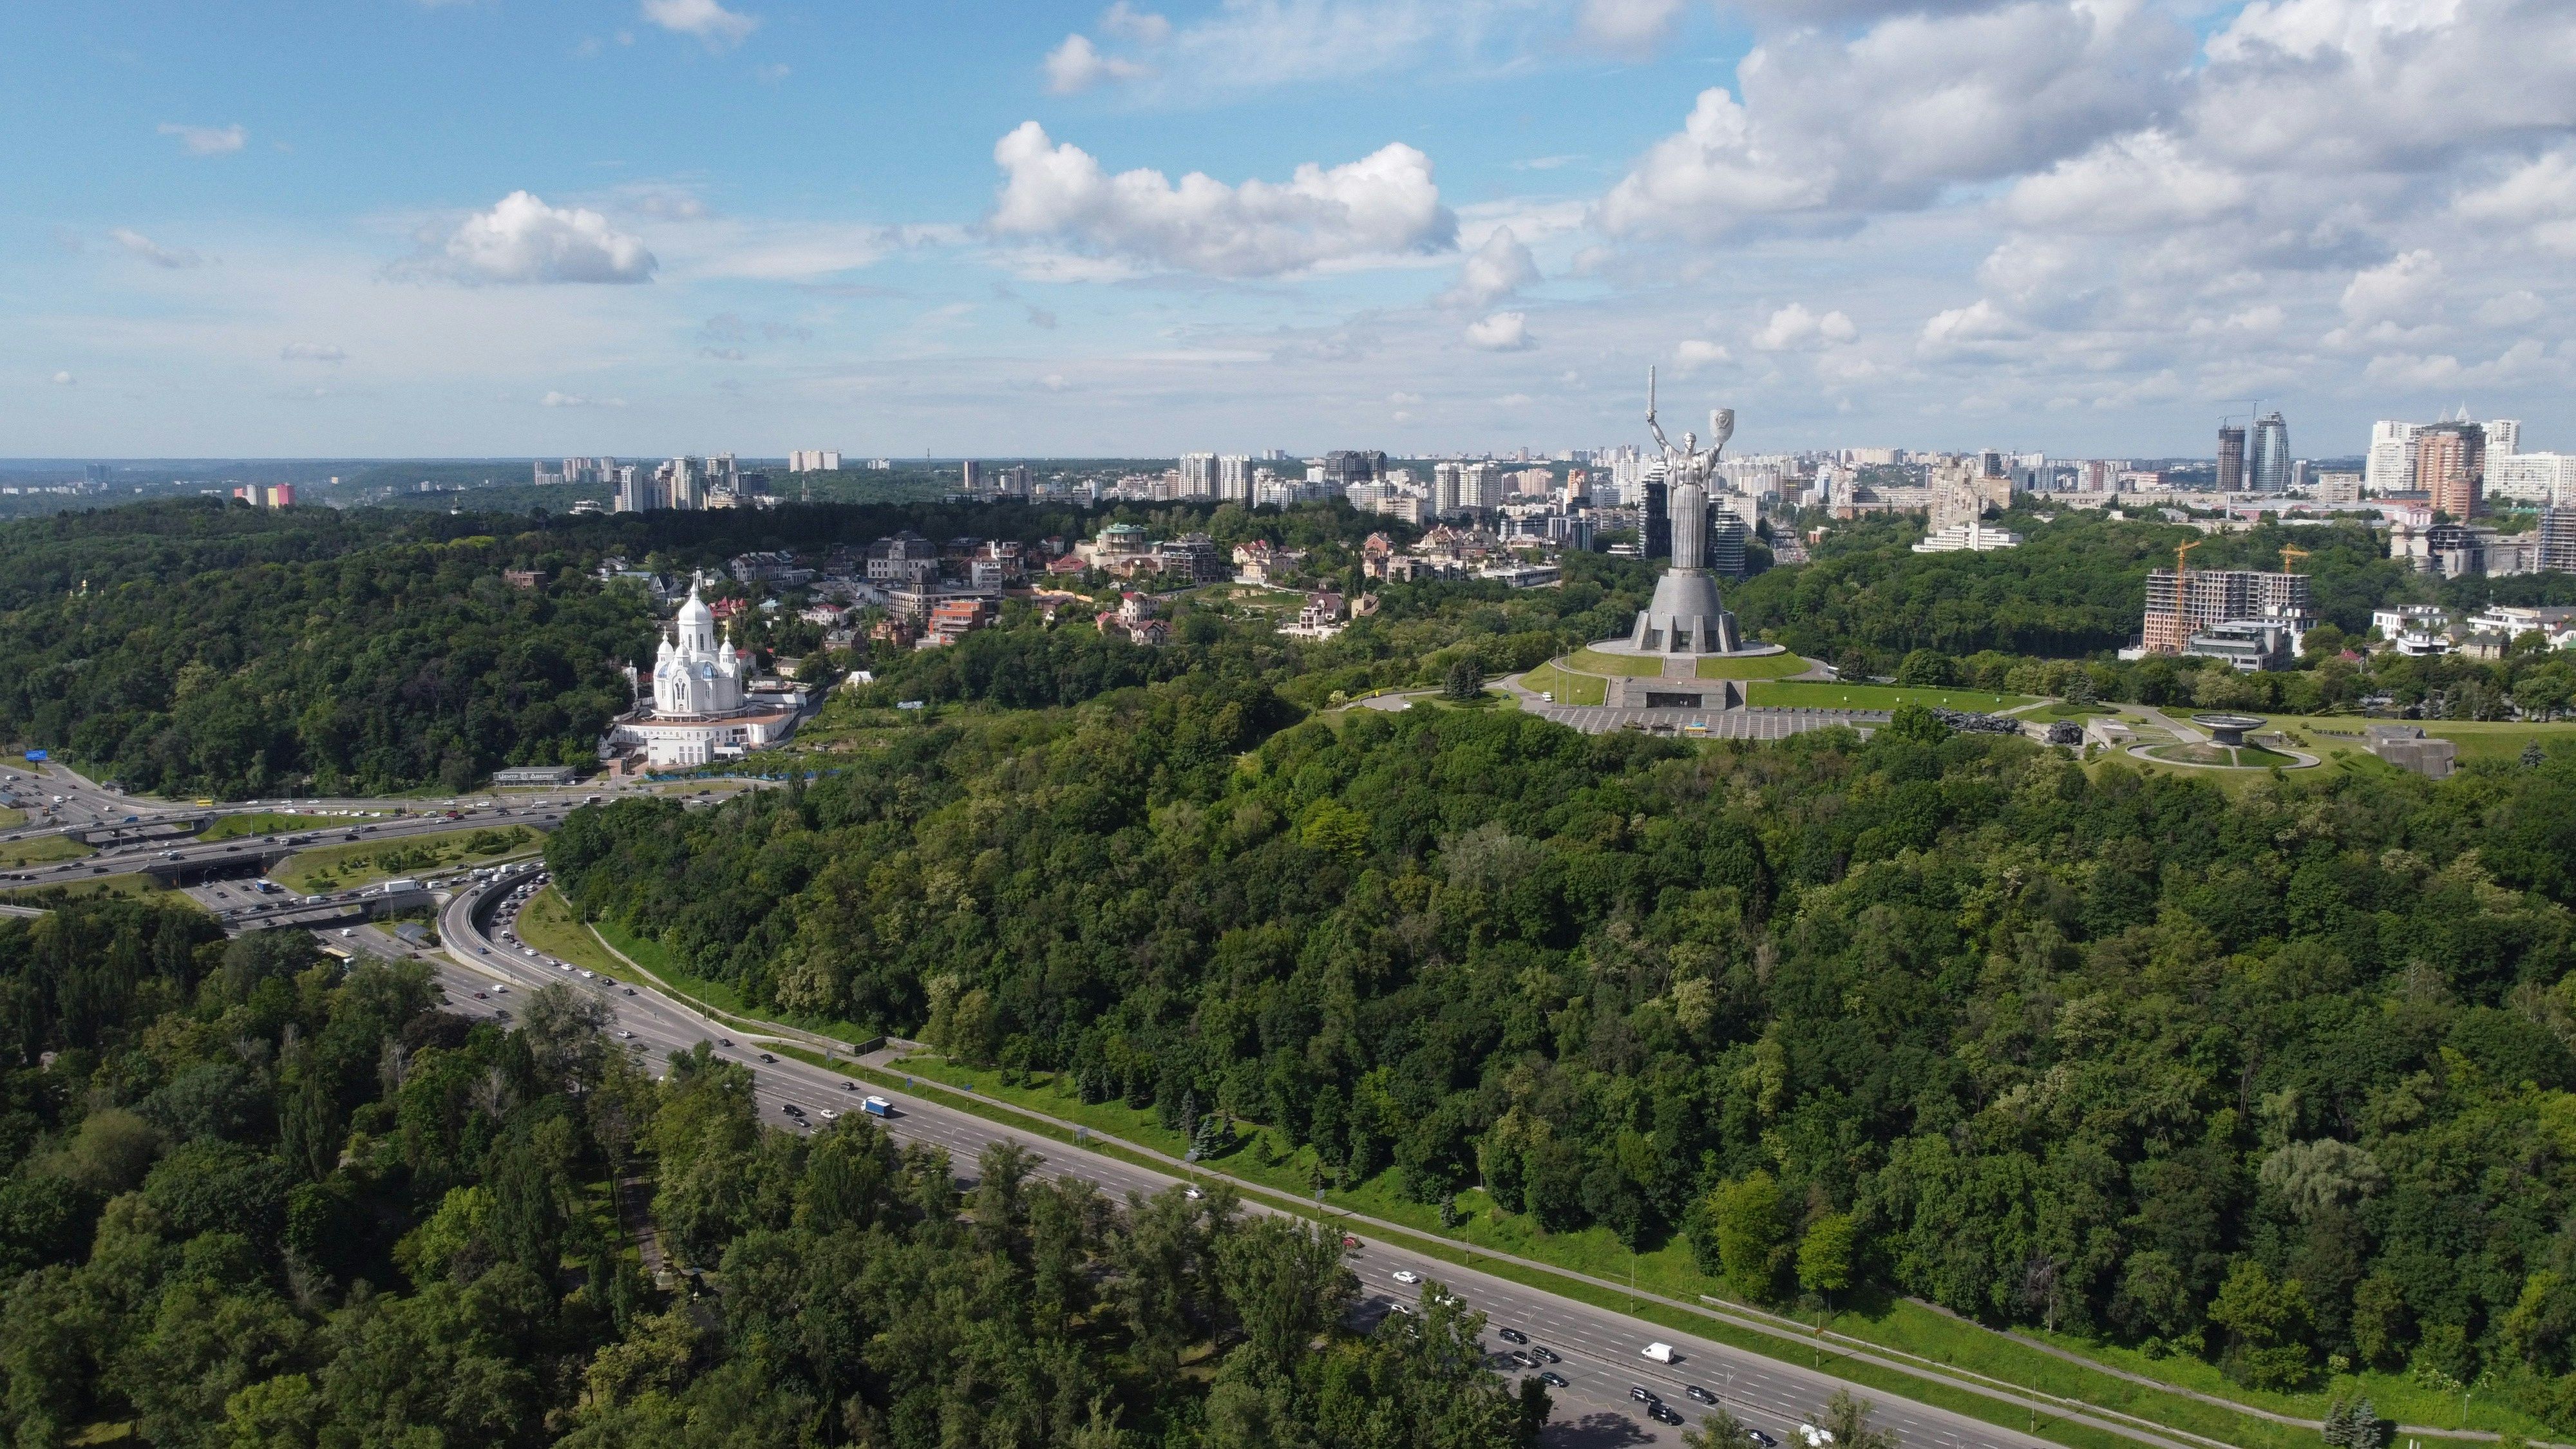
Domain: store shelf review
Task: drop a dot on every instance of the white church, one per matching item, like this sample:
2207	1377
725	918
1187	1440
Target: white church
703	707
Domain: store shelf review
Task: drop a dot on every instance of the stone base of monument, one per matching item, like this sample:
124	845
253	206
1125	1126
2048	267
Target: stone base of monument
1671	692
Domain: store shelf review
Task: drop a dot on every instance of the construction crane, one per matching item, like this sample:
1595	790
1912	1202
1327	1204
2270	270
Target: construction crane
2182	580
2289	553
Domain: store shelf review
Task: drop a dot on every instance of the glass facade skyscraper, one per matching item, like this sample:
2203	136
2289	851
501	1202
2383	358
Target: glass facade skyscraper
2267	464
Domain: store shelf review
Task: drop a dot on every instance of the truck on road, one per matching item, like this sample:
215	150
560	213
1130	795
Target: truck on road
878	1107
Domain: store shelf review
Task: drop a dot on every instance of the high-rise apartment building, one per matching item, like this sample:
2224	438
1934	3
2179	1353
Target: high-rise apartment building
2231	458
1444	490
2558	540
1480	487
1345	466
2450	464
1727	533
2267	465
2548	479
2504	438
970	476
1198	475
1234	478
818	460
2389	467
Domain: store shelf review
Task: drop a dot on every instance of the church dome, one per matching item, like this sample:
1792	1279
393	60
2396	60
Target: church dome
695	612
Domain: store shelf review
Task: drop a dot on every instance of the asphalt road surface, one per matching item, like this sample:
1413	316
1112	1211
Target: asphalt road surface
1600	1350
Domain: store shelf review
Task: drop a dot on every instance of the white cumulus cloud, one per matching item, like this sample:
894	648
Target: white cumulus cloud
1694	353
1794	326
575	400
2398	291
1629	27
311	352
1078	65
1502	332
63	379
705	19
2138	182
1382	205
1497	269
207	140
522	239
1890	118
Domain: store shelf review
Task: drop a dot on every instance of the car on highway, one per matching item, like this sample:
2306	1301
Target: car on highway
1661	1413
1815	1438
829	1114
724	1041
1407	1275
1192	1193
626	1036
1765	1440
791	1109
1544	1355
1521	1359
484	950
1554	1380
1696	1392
1511	1335
766	1057
630	991
1642	1394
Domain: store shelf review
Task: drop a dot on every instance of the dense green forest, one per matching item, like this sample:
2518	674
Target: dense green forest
2075	587
2270	1079
254	1201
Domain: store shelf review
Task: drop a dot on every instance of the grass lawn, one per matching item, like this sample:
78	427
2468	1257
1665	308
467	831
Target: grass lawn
336	867
1262	1158
1760	666
266	822
42	850
11	819
547	924
1568	688
1781	694
2237	757
654	963
1592	661
2477	739
137	884
2077	712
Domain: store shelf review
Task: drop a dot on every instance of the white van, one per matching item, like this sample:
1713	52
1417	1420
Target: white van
1659	1352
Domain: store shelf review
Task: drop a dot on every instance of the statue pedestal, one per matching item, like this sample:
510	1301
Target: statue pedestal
1685	617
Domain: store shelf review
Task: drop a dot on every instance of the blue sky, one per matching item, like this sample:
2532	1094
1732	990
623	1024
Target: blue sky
482	227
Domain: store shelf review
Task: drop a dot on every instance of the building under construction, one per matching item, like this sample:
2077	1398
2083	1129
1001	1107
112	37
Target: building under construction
2182	602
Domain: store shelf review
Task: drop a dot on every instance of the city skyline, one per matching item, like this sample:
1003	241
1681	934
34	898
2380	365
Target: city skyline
485	230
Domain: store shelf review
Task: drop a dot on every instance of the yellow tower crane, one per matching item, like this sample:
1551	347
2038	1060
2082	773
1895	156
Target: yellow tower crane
2182	581
2289	555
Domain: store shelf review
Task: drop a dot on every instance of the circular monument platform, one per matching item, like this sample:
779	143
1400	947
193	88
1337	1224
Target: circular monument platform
1625	644
2228	729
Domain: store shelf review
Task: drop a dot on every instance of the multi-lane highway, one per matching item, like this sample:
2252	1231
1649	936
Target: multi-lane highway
488	970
